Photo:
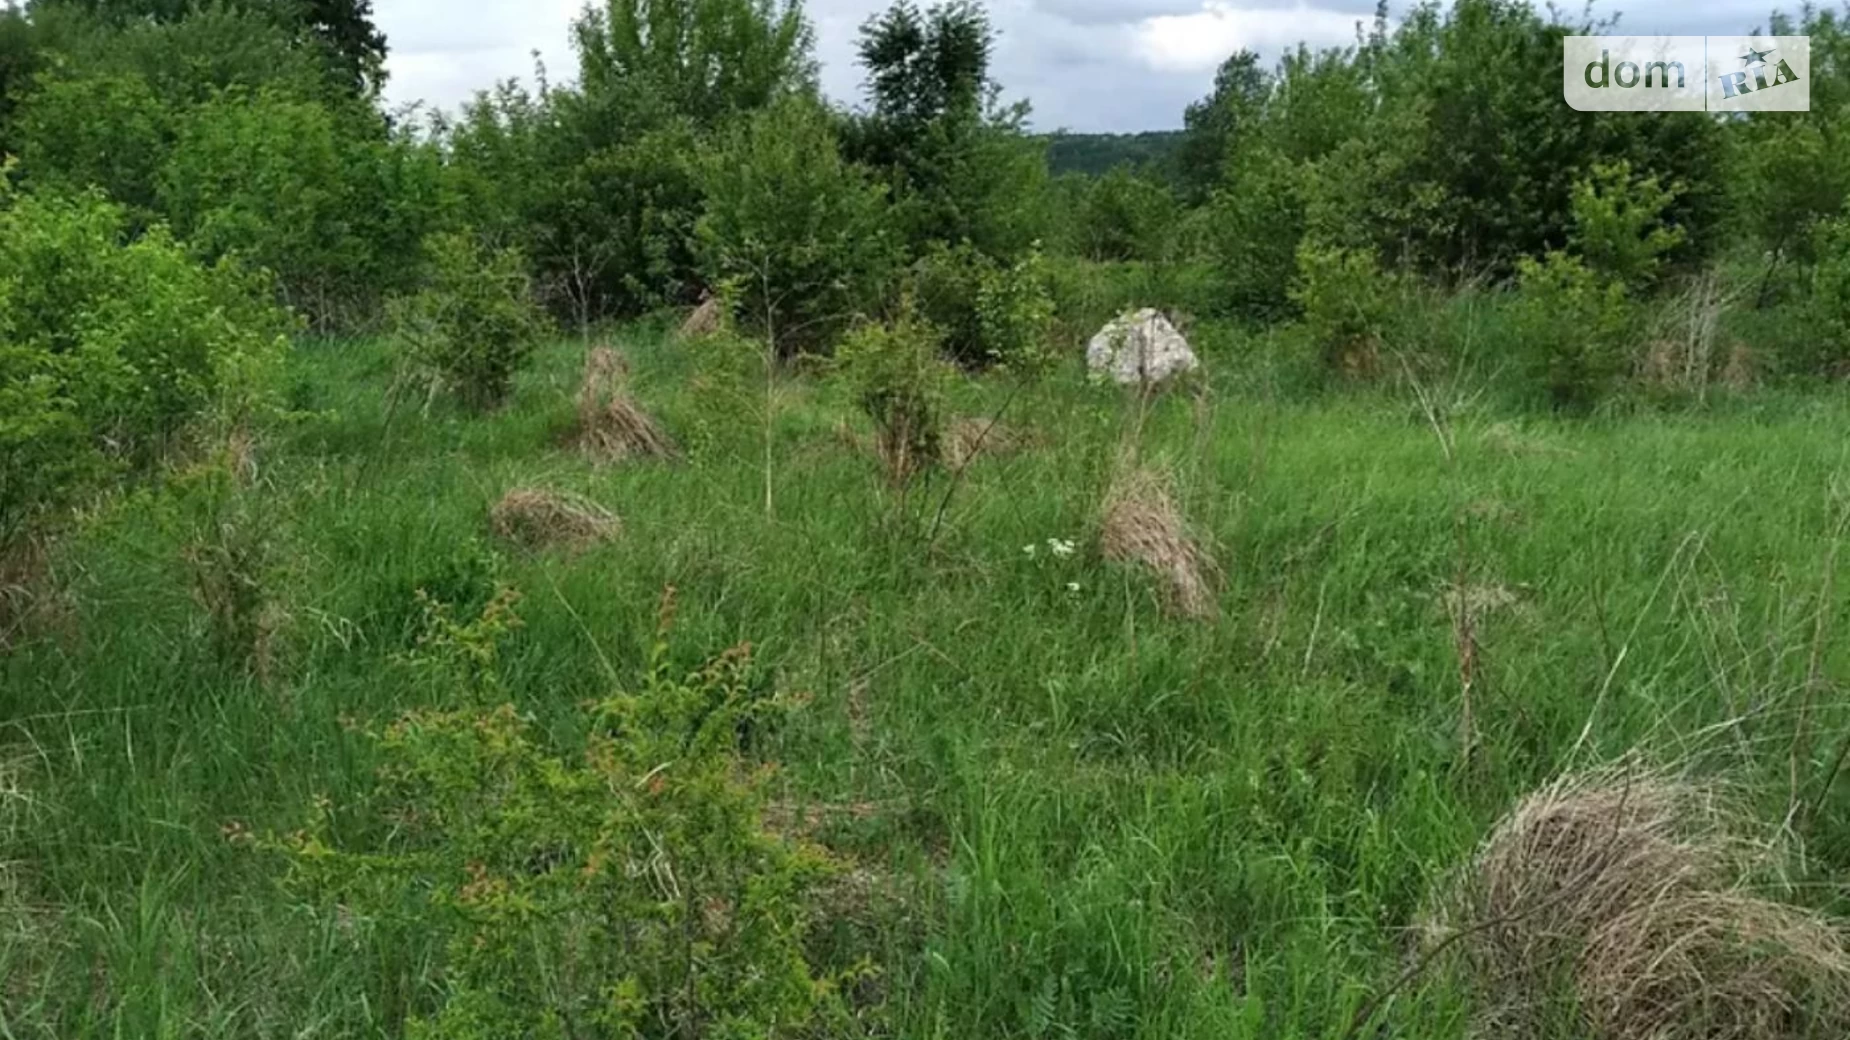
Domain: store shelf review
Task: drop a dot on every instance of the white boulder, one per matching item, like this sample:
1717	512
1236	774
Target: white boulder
1140	348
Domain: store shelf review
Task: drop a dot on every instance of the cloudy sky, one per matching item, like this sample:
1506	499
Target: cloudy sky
1087	65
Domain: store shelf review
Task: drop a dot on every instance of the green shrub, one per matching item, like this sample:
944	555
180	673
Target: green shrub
1619	226
473	325
109	132
900	382
1573	329
317	195
989	312
1258	220
609	229
1123	216
632	890
805	236
1014	313
454	658
946	281
111	351
1830	300
1348	306
235	555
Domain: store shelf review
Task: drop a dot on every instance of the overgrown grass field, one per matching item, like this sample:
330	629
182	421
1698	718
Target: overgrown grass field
1053	807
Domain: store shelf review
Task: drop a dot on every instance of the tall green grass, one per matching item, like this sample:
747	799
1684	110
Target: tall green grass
1087	818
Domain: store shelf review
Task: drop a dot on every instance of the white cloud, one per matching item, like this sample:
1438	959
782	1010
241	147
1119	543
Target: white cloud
1203	39
442	53
1087	65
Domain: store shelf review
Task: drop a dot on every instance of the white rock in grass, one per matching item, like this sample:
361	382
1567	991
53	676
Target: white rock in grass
1138	348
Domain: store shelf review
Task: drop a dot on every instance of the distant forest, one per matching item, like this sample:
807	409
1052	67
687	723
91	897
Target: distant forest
1096	154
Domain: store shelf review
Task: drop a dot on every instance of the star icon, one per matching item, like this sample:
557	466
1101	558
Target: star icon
1754	57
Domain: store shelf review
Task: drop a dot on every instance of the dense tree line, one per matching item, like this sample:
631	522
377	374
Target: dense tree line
654	176
1099	154
692	155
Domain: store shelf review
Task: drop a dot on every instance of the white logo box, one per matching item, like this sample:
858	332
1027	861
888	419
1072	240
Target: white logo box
1687	73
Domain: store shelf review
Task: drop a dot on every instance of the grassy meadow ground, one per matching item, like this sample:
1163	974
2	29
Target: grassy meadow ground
1080	815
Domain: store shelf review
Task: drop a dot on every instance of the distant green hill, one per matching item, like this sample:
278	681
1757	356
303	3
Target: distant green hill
1095	154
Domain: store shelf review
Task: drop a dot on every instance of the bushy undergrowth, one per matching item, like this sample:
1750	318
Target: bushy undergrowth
627	890
990	312
111	350
1349	307
804	236
1574	329
899	381
473	325
1831	301
1461	508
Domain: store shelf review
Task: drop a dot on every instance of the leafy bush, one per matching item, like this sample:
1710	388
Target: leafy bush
1573	329
473	325
1830	299
306	191
1014	312
961	166
804	235
1258	220
1348	306
1619	226
1425	142
704	61
632	890
946	281
600	183
988	311
234	554
110	132
110	351
899	381
1124	216
616	224
609	228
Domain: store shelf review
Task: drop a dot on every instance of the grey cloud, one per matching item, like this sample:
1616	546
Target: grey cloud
1115	12
1077	61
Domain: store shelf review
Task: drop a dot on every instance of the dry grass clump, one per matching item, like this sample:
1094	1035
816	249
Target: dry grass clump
23	581
1614	903
1516	442
968	439
1742	370
34	602
1142	525
706	320
534	518
1476	601
612	427
230	568
1689	352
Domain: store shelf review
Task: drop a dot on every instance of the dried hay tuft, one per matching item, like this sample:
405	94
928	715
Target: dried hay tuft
708	319
535	519
1742	370
33	601
1475	601
1142	525
1514	441
968	439
612	427
1618	898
